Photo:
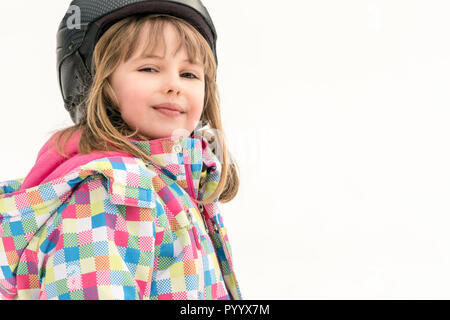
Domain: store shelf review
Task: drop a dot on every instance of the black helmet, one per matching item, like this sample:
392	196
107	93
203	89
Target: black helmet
76	41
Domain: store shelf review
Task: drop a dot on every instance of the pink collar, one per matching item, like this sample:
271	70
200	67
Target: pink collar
50	165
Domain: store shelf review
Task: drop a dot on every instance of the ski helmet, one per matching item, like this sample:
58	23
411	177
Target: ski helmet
76	39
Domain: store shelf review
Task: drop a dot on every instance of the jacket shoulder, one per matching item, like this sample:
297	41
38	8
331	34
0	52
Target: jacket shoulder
127	179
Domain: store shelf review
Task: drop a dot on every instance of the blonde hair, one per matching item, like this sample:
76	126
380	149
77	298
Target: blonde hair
102	127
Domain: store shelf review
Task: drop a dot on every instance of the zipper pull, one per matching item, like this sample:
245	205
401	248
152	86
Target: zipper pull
195	231
197	238
190	218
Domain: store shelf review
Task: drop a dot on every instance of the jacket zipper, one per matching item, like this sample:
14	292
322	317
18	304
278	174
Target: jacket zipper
189	180
201	271
216	229
194	229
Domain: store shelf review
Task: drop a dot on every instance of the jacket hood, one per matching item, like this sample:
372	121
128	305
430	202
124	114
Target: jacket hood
164	153
26	204
50	164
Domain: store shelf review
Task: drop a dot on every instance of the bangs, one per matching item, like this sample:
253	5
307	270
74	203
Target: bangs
188	38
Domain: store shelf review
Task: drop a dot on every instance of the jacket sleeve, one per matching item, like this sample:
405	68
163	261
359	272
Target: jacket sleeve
100	247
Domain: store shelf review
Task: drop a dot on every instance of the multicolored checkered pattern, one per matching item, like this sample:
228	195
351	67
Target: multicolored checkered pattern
119	228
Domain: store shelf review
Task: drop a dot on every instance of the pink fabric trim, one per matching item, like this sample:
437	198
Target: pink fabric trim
50	165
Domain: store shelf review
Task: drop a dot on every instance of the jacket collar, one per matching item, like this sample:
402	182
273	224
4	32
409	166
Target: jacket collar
182	159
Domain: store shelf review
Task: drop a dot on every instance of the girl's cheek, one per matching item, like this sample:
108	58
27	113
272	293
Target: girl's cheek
139	98
139	90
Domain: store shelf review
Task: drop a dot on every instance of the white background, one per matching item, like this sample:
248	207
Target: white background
337	112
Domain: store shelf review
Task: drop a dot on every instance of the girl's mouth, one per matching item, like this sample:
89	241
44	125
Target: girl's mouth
169	113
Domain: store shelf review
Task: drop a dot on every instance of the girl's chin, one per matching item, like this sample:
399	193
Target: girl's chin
175	133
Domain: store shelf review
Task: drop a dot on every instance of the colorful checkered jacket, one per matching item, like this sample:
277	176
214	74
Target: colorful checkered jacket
118	228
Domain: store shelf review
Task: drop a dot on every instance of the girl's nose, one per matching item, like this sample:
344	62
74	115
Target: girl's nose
173	85
173	90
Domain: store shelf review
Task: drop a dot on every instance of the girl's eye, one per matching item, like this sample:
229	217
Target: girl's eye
147	69
192	76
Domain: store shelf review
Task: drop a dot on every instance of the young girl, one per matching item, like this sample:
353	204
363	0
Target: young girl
124	204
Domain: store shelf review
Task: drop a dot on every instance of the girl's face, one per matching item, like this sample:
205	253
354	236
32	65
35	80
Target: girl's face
142	83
